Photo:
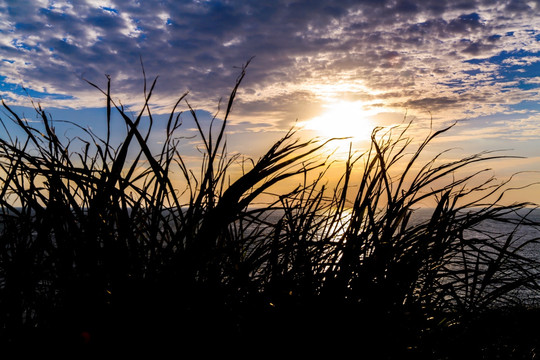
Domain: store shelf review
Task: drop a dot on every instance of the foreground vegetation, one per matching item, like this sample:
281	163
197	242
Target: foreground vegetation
97	252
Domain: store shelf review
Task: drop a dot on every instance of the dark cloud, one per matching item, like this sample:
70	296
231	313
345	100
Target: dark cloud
406	7
465	23
389	46
476	47
518	6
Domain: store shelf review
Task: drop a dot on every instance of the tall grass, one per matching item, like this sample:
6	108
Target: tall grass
98	246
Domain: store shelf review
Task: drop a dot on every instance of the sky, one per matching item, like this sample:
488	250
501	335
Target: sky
331	68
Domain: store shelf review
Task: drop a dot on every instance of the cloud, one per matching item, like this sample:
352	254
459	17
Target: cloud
400	53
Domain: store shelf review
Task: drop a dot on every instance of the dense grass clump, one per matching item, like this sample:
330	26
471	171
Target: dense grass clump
99	250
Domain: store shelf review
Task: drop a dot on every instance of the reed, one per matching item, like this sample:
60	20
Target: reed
98	246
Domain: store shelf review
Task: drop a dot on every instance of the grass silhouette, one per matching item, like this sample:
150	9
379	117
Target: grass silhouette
97	250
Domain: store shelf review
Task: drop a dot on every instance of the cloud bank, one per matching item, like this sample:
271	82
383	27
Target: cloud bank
461	58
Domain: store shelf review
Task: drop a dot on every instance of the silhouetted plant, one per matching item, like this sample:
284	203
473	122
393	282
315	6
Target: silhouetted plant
99	241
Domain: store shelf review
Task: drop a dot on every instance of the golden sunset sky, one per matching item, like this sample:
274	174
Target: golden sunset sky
331	68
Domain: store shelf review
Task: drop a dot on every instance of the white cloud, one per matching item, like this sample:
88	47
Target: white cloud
418	55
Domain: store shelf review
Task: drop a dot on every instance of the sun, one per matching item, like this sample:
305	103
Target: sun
349	120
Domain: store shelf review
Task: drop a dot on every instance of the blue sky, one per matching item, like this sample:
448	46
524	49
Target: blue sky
474	61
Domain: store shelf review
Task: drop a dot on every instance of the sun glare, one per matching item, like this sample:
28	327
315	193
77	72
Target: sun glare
343	120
